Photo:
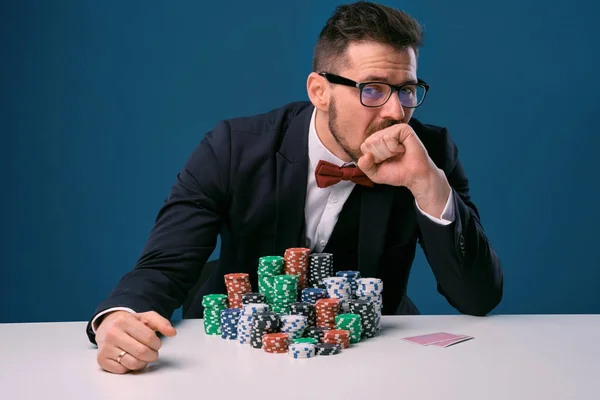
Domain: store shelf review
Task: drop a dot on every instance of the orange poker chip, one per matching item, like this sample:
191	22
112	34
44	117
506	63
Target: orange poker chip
239	276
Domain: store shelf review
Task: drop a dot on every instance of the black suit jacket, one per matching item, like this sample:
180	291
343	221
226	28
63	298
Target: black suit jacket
246	181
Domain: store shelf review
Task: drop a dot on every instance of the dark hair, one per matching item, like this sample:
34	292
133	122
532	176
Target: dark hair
363	21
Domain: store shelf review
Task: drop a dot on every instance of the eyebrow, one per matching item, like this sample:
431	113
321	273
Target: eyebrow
384	79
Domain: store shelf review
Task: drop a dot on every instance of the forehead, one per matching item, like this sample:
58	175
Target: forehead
367	60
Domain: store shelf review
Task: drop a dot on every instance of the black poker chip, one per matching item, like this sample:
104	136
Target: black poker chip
328	349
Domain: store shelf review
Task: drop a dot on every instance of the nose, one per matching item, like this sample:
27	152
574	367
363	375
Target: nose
392	109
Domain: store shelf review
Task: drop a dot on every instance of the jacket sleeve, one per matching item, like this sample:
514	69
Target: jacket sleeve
184	234
467	270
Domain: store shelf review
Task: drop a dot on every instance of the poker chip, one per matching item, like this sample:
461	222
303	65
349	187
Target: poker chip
328	349
253	298
246	321
352	276
305	340
302	350
264	322
339	288
214	300
368	317
337	336
268	268
370	289
320	266
213	305
351	323
275	342
311	295
316	333
237	286
293	325
285	292
326	310
296	263
229	323
305	309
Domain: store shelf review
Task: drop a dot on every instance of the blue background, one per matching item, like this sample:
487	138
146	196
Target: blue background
102	102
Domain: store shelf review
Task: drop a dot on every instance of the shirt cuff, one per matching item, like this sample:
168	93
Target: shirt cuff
96	321
447	216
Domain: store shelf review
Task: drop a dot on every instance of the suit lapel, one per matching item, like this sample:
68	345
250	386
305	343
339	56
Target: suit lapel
292	174
375	212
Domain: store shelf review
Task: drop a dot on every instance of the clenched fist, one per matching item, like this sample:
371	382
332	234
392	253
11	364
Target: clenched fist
134	334
395	156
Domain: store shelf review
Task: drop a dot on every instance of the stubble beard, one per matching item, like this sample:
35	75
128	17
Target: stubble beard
354	154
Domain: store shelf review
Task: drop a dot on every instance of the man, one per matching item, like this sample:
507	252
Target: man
264	184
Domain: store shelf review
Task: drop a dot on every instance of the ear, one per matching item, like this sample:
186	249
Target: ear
319	91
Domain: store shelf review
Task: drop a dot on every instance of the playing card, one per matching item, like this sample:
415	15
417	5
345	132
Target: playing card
450	342
431	338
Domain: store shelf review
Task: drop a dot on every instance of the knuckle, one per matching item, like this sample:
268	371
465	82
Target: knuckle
149	337
140	351
111	335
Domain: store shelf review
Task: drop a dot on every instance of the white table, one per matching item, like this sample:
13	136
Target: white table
511	357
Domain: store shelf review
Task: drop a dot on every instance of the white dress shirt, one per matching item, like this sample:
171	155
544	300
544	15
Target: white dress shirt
323	205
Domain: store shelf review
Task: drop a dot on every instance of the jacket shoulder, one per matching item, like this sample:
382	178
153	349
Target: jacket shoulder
277	119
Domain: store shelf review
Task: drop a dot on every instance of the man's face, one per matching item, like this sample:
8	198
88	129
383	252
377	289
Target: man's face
350	123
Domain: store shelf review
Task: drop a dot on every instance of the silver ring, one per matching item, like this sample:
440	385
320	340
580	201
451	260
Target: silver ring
121	355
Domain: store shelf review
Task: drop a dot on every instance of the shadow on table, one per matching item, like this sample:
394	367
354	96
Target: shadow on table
162	363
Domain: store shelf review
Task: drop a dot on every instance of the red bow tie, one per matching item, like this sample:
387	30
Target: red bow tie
328	174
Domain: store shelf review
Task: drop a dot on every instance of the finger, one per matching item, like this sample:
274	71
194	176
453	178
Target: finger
157	322
367	164
113	366
130	362
377	147
107	360
137	349
143	334
393	145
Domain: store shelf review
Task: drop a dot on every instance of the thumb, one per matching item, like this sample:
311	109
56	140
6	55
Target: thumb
157	322
367	164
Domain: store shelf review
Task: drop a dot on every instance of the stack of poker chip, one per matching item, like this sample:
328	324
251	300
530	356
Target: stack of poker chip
316	333
352	277
268	268
247	320
339	288
327	309
296	263
328	349
351	323
264	322
302	350
254	298
237	286
305	309
293	325
229	323
370	289
285	292
337	336
275	342
213	305
368	317
320	266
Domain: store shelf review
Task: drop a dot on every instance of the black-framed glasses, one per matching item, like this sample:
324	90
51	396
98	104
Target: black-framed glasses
376	94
